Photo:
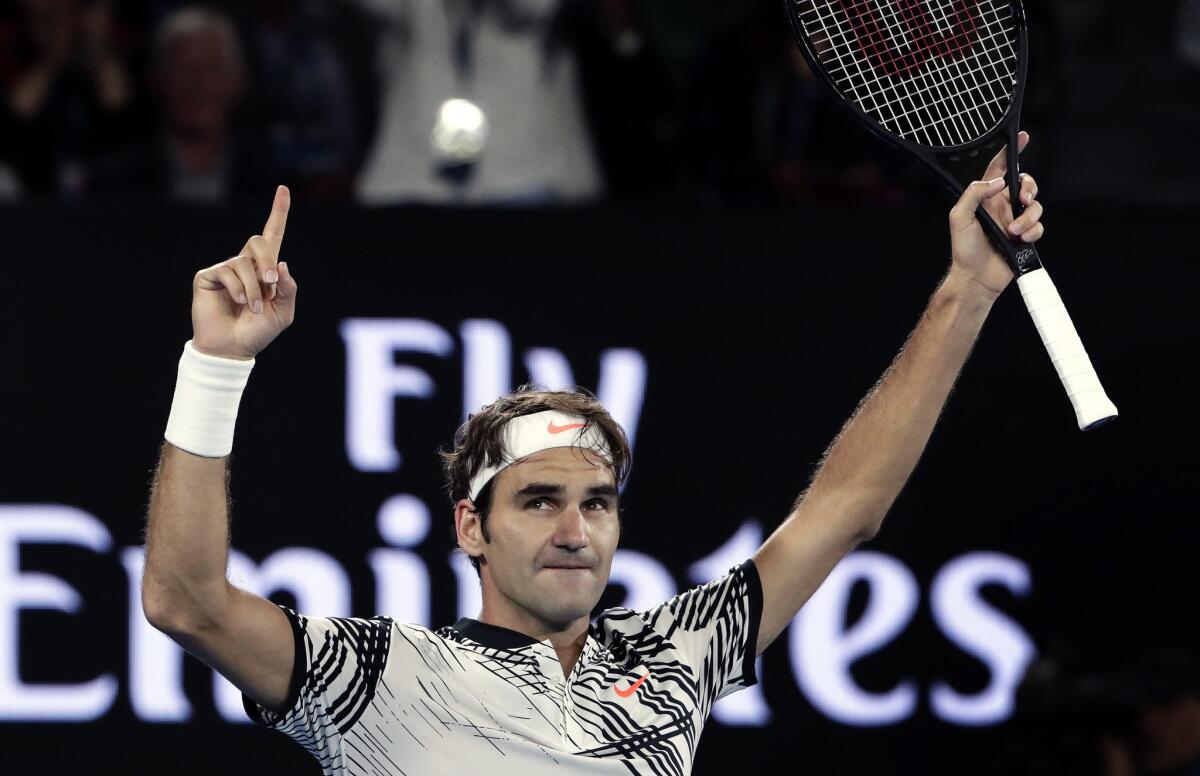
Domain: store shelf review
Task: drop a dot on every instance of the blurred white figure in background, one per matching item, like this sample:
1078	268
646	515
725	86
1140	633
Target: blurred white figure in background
501	56
10	185
1187	32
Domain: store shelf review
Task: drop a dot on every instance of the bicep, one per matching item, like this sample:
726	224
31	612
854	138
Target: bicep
252	644
793	563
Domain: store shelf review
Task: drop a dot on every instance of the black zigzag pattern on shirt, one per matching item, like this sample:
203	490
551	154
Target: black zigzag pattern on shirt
716	618
360	646
345	666
345	659
728	611
724	610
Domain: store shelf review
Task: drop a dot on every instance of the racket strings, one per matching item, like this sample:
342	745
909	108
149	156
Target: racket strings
924	91
926	37
935	90
928	40
927	102
940	72
936	94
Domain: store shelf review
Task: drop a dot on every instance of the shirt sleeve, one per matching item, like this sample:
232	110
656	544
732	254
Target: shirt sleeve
715	627
337	668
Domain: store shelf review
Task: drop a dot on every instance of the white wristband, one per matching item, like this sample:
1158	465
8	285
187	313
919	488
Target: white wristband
207	393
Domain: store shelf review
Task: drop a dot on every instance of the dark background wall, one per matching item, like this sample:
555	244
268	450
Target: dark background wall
772	317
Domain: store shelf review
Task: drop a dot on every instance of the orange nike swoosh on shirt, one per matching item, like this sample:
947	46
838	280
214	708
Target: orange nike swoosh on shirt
632	688
553	429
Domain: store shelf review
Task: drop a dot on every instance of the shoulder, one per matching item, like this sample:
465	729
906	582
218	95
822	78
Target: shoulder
366	638
617	626
425	641
693	608
377	624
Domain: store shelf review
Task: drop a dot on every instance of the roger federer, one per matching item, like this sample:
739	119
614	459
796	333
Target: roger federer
533	686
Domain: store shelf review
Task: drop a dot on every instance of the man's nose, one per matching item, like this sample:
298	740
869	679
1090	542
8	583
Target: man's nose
570	532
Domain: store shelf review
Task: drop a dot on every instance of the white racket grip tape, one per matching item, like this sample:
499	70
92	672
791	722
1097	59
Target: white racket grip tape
208	391
1091	403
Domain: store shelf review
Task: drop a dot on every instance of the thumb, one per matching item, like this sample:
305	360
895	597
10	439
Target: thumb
963	213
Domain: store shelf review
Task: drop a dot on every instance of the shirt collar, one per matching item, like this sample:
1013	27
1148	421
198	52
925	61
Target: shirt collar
492	635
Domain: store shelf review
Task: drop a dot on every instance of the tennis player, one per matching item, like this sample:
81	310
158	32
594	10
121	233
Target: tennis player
533	686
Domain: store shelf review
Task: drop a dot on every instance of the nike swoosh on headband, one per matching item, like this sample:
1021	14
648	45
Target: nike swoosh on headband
525	435
553	429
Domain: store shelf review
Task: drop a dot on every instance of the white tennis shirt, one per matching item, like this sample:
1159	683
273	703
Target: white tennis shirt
381	698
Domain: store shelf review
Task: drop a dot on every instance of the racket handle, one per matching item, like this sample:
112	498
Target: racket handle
1092	405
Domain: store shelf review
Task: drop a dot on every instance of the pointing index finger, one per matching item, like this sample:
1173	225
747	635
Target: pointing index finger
277	221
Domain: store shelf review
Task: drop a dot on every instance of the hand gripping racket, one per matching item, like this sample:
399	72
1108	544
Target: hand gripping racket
943	79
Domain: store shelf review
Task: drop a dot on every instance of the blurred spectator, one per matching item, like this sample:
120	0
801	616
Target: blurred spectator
66	91
1141	720
632	108
10	185
760	126
1127	109
1187	32
1169	684
303	95
508	58
198	74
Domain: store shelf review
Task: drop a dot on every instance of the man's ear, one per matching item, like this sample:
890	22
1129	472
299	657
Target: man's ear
468	526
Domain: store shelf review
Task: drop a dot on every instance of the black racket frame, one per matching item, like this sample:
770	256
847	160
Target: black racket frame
1022	257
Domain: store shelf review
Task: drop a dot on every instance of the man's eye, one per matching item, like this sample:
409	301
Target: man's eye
537	503
598	504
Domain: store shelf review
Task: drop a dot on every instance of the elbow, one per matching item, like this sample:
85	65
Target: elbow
868	532
179	616
159	611
870	515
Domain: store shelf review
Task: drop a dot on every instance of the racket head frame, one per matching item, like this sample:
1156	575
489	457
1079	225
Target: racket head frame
1022	258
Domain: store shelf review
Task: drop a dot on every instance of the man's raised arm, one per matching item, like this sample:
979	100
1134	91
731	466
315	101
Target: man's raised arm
238	307
873	455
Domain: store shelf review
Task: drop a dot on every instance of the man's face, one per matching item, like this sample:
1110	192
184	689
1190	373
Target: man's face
200	83
554	528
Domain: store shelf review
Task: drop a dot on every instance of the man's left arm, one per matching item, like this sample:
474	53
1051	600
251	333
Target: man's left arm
873	455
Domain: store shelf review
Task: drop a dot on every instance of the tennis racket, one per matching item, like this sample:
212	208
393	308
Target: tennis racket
943	80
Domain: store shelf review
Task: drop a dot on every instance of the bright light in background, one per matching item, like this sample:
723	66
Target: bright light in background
460	133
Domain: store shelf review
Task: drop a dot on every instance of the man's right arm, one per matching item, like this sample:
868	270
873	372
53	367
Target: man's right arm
239	306
185	593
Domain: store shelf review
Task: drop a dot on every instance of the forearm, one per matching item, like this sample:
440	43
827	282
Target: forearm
187	532
187	540
872	457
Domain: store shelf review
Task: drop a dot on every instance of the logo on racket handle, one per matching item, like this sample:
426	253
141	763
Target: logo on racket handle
901	44
1027	258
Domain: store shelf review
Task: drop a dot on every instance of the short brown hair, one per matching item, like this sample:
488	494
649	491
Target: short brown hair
477	443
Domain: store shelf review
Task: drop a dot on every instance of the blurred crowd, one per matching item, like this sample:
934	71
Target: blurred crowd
1139	718
519	101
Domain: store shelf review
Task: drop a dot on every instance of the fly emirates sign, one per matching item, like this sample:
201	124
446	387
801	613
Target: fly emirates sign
822	643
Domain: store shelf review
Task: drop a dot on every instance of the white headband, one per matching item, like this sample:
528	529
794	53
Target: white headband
528	434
